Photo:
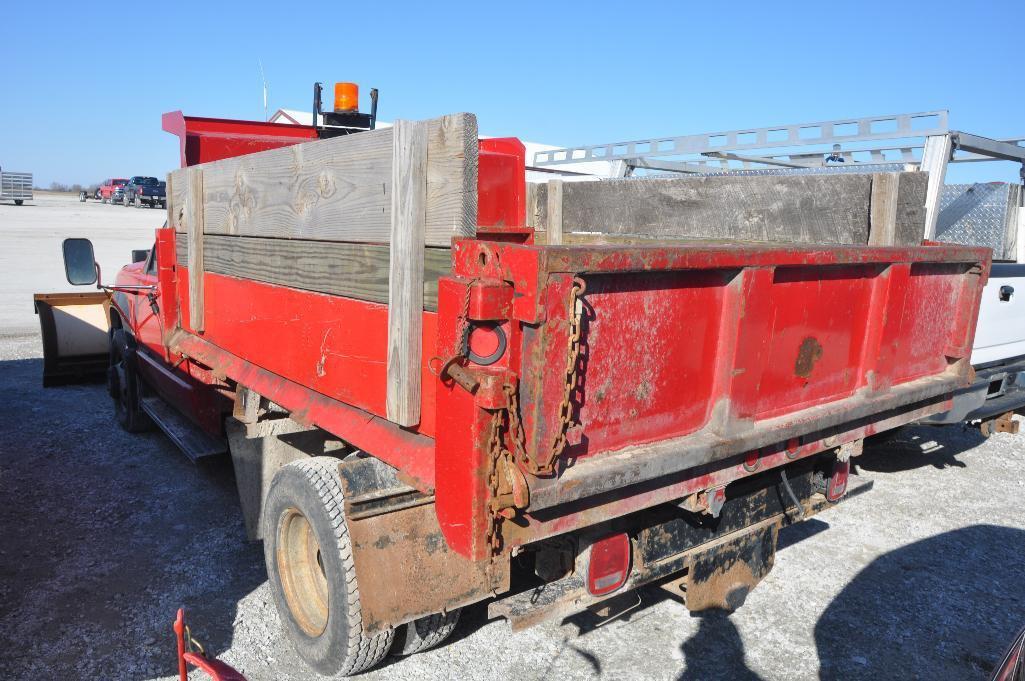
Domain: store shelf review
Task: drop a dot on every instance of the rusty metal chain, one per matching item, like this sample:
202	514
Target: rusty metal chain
463	348
494	454
515	425
572	358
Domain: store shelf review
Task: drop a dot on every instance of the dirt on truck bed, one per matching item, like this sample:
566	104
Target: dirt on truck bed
105	534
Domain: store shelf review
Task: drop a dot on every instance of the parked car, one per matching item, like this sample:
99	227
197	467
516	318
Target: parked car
110	187
92	192
144	191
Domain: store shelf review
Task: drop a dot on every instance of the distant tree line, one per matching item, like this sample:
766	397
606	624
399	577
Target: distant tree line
61	187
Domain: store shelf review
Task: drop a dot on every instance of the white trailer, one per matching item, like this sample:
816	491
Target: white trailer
16	187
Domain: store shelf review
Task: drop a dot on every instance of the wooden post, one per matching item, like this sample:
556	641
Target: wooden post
935	157
882	229
172	221
406	265
554	227
194	227
532	212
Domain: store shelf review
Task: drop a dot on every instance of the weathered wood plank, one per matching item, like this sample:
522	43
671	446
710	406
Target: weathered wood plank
911	209
790	208
172	219
451	202
555	221
336	268
405	290
533	214
194	225
883	215
340	189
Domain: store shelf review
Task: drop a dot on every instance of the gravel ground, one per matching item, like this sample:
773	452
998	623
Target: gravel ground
105	534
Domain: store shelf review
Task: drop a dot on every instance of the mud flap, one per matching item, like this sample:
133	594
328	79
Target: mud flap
723	575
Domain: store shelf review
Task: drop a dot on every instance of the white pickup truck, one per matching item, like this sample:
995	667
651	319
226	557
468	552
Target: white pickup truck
990	214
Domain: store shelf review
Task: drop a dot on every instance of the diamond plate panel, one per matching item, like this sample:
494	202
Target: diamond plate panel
979	215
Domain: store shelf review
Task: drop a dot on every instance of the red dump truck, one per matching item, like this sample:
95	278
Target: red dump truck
428	407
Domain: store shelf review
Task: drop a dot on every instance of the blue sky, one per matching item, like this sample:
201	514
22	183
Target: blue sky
83	86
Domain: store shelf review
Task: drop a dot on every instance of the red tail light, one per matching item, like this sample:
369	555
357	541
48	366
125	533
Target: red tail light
838	483
609	564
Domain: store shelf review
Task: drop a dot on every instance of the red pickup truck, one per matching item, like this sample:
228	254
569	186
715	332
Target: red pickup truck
107	188
591	417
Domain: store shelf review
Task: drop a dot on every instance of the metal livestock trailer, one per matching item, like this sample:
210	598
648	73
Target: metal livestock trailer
16	187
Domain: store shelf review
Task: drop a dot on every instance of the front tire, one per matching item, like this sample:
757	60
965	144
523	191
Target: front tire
124	385
311	570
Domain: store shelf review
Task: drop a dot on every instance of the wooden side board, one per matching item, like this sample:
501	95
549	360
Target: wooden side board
357	271
826	209
338	189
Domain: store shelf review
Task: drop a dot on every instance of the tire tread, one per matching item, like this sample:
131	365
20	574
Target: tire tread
364	650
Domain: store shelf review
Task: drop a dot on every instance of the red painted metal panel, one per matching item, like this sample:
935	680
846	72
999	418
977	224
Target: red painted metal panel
813	329
501	182
335	346
212	139
633	327
413	454
708	350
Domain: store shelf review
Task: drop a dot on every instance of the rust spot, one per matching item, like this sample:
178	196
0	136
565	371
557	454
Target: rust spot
809	353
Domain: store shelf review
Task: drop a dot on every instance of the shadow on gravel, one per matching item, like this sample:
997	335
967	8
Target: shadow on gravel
941	608
715	651
918	446
105	535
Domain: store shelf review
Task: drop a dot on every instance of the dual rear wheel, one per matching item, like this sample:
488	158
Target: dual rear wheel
313	576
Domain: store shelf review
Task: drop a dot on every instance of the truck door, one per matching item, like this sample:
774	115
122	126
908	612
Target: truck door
145	306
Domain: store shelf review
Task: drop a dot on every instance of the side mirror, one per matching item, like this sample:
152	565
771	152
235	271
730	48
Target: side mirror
79	262
139	254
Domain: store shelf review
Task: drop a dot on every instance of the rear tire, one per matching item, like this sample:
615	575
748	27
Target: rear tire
311	570
124	385
18	202
425	633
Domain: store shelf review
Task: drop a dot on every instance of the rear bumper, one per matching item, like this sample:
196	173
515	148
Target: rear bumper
668	544
996	390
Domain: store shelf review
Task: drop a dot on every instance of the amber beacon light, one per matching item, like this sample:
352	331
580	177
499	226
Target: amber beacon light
346	97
